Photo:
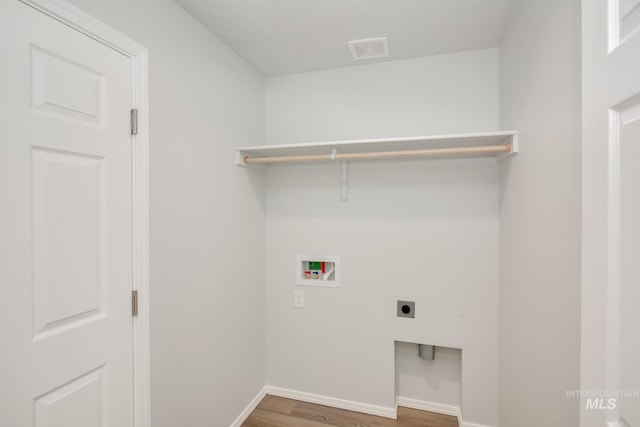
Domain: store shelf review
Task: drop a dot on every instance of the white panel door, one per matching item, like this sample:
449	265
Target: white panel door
611	213
66	356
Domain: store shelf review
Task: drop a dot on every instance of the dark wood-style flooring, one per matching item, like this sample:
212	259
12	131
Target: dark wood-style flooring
279	412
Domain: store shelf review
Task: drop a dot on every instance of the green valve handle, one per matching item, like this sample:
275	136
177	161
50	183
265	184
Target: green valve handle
315	265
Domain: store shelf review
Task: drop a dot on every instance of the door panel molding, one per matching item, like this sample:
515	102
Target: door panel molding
613	257
622	318
87	391
610	236
88	25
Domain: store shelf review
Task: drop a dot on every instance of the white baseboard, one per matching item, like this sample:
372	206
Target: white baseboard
438	408
365	408
249	409
423	405
463	424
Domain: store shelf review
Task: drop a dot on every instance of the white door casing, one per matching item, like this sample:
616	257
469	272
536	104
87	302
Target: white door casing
611	214
74	221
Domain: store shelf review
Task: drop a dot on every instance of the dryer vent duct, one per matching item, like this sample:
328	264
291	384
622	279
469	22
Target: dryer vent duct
426	352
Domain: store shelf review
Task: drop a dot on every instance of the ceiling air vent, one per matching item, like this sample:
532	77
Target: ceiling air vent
369	48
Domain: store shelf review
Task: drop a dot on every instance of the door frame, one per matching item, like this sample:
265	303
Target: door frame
91	27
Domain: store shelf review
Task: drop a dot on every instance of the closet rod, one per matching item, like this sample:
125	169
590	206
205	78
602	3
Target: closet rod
506	148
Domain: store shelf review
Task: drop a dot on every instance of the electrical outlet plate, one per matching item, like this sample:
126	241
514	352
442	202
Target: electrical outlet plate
406	309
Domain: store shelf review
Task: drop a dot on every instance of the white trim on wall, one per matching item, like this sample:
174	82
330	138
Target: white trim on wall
438	408
91	27
364	408
333	402
141	330
424	405
250	408
463	424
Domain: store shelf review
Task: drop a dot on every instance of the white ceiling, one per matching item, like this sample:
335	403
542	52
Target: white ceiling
292	36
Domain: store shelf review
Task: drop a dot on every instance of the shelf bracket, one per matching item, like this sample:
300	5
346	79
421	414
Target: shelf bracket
344	186
343	166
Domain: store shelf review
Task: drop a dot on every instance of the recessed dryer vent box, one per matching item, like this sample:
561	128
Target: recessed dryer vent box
315	270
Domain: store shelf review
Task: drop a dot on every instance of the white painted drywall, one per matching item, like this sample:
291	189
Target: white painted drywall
207	223
540	217
432	95
435	380
422	230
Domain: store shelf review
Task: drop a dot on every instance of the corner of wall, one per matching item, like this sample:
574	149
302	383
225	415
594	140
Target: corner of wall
540	210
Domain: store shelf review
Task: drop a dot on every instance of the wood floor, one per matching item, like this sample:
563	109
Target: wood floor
279	412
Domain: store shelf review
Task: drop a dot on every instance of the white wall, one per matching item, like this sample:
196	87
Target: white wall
207	314
424	230
432	95
540	216
435	380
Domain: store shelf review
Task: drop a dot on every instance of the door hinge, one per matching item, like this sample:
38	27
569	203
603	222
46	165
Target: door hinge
134	303
134	121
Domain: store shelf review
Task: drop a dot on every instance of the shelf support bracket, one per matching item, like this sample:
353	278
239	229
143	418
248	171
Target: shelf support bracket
343	166
344	187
